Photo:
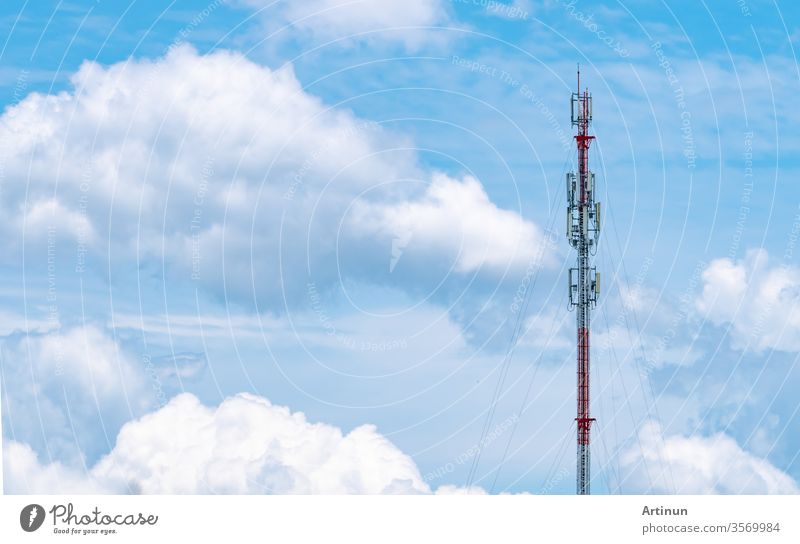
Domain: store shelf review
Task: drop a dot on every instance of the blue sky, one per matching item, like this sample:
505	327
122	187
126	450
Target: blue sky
340	207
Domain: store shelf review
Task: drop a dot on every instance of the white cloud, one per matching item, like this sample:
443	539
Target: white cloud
87	357
244	445
359	20
455	490
724	287
248	445
758	300
549	328
68	428
65	391
455	219
12	322
23	473
219	171
698	465
158	155
651	350
50	217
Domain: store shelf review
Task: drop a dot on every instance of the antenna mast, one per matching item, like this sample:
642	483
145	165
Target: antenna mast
583	230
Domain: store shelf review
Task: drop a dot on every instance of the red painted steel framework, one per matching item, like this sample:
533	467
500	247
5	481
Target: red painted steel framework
583	230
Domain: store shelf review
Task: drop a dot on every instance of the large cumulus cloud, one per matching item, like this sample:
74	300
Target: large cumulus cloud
216	171
244	445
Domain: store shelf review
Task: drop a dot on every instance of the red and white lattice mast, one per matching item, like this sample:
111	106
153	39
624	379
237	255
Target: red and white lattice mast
583	230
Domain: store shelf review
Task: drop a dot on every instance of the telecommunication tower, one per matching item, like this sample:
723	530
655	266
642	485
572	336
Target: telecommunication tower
583	230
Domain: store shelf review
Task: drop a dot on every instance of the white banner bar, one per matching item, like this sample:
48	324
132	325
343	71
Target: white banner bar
400	519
